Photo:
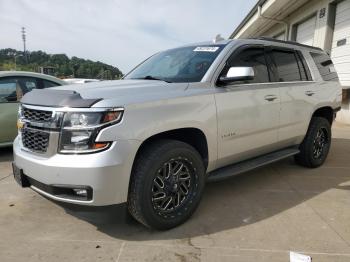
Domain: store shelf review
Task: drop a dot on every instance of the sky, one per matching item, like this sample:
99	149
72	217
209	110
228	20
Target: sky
118	32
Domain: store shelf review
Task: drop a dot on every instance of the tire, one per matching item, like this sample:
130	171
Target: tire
315	147
166	186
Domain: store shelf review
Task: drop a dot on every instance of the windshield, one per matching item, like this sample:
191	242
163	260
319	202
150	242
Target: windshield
185	64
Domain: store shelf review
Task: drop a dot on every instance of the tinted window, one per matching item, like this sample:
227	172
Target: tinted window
325	66
28	84
251	57
8	90
286	65
303	75
304	69
48	83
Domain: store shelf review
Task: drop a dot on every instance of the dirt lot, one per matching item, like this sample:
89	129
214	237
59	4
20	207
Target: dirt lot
258	216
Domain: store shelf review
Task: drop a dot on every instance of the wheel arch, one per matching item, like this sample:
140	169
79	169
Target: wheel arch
190	135
326	112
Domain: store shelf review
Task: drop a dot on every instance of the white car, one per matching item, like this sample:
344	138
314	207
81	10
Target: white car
13	85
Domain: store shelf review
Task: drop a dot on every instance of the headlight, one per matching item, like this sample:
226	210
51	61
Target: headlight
80	130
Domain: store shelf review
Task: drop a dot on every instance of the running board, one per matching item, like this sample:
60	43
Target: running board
247	165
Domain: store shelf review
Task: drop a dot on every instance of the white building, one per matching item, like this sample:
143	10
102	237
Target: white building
321	23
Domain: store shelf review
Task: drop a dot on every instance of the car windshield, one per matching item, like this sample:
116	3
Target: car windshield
185	64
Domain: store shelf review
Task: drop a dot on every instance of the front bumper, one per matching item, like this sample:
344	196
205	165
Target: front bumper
107	172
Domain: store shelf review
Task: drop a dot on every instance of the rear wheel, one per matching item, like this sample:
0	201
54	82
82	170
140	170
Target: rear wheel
167	183
315	147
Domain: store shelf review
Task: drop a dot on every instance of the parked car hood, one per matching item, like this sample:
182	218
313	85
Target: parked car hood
122	92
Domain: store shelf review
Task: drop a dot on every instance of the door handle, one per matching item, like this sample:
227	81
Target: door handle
270	98
309	93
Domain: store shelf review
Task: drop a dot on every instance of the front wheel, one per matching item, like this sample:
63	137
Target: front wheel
315	147
166	185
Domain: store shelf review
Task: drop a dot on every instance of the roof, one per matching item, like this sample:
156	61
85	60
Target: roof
207	43
248	17
271	39
32	74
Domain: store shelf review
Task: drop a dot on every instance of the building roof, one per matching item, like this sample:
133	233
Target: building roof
272	11
248	17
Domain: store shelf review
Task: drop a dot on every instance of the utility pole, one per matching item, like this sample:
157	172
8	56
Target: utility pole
24	43
16	61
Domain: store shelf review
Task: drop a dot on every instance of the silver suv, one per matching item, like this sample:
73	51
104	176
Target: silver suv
184	116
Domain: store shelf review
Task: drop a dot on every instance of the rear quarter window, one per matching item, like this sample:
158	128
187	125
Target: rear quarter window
325	66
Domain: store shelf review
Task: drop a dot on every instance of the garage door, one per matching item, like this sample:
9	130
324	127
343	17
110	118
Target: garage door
306	31
341	42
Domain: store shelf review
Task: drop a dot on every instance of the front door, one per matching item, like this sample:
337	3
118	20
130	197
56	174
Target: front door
247	112
12	90
8	109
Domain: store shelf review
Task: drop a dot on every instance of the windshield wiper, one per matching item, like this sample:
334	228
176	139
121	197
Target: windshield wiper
148	77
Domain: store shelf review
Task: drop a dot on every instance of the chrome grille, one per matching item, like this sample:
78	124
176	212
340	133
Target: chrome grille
37	115
35	140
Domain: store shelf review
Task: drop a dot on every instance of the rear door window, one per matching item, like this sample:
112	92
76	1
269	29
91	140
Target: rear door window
303	67
48	83
26	84
29	83
286	64
325	66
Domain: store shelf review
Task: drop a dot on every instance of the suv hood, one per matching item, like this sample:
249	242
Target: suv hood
106	93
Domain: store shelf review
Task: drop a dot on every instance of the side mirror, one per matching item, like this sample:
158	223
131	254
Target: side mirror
238	74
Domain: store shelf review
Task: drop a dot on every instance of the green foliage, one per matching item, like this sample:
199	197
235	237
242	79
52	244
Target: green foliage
63	66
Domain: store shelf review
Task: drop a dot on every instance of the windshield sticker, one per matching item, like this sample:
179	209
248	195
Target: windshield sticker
206	49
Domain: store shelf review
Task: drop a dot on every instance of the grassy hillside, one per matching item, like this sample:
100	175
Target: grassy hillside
64	66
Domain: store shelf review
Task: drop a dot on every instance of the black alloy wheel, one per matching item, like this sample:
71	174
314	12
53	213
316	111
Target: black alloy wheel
167	182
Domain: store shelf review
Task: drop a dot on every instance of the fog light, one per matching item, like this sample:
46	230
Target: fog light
80	192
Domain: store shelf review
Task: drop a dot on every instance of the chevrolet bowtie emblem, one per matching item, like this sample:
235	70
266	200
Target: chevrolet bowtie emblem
20	124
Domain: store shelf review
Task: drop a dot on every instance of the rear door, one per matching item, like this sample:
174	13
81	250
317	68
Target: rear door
247	112
298	94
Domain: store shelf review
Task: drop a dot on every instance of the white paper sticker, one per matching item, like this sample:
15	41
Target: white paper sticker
332	69
295	257
206	49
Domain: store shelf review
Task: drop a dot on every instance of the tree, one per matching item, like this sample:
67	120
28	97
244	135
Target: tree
64	66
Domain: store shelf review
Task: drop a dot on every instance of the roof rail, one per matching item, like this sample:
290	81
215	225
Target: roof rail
285	42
